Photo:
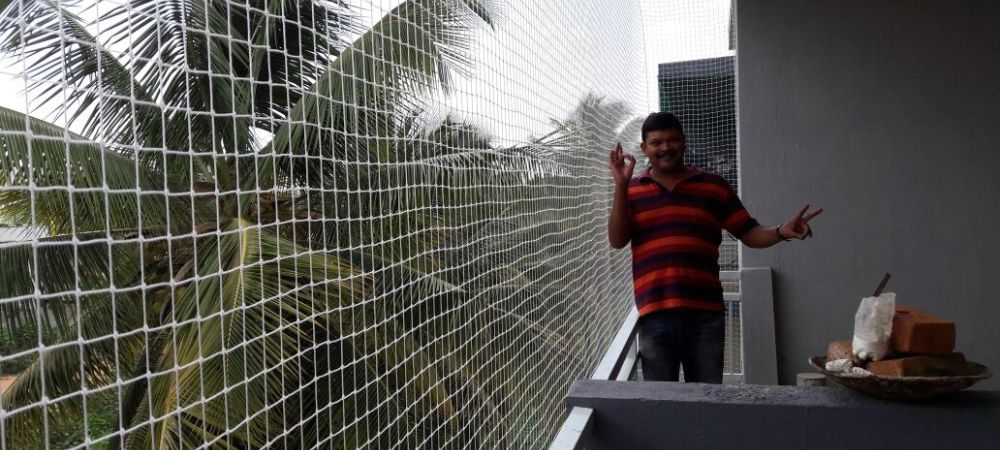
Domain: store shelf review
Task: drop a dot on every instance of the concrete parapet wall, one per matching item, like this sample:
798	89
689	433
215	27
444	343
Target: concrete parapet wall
633	415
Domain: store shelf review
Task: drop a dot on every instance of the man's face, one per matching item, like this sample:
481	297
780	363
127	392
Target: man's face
665	150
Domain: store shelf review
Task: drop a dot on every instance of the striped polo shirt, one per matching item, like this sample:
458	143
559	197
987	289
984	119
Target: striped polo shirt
676	237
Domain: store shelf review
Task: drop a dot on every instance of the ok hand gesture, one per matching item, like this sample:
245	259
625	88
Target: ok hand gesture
621	165
797	227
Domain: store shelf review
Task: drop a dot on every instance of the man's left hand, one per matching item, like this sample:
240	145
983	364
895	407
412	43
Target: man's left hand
798	227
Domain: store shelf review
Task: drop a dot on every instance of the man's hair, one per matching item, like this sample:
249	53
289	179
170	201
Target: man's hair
660	121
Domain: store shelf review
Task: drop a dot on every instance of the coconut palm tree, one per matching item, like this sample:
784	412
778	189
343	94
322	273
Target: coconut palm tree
222	287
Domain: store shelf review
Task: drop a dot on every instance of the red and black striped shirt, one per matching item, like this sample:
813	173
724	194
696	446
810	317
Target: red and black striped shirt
675	240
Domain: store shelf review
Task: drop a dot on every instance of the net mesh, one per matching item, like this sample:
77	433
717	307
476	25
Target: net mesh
309	224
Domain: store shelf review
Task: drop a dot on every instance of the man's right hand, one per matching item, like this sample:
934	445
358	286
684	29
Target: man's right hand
621	165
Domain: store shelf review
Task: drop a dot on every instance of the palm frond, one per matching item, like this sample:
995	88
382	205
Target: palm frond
58	265
60	180
631	133
63	370
113	103
381	76
247	313
292	43
484	9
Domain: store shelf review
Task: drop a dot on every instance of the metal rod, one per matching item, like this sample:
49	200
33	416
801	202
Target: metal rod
881	285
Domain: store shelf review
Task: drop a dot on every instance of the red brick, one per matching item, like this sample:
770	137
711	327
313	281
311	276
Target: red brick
915	331
840	350
921	366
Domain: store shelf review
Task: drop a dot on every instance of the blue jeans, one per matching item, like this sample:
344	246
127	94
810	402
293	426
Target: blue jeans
671	338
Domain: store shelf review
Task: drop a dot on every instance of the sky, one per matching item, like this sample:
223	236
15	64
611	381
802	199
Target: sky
679	30
542	58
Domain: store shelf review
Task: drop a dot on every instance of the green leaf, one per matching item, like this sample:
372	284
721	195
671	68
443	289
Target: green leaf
69	367
58	265
248	296
57	179
292	43
380	77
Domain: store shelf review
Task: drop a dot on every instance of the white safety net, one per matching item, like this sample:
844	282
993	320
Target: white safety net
312	223
308	224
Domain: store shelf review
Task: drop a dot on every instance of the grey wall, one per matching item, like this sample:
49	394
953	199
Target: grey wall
885	113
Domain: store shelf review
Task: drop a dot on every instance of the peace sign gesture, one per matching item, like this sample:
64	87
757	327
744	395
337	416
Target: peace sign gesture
621	165
798	226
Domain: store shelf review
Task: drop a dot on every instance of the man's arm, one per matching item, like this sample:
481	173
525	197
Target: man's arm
619	230
761	237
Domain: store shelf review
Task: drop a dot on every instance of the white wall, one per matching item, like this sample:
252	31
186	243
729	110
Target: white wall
886	114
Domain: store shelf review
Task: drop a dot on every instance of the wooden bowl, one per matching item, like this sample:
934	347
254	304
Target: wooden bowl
904	388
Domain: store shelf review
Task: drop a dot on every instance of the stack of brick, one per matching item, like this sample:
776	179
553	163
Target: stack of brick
922	346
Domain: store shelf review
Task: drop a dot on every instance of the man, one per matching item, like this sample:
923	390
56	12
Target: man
673	215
